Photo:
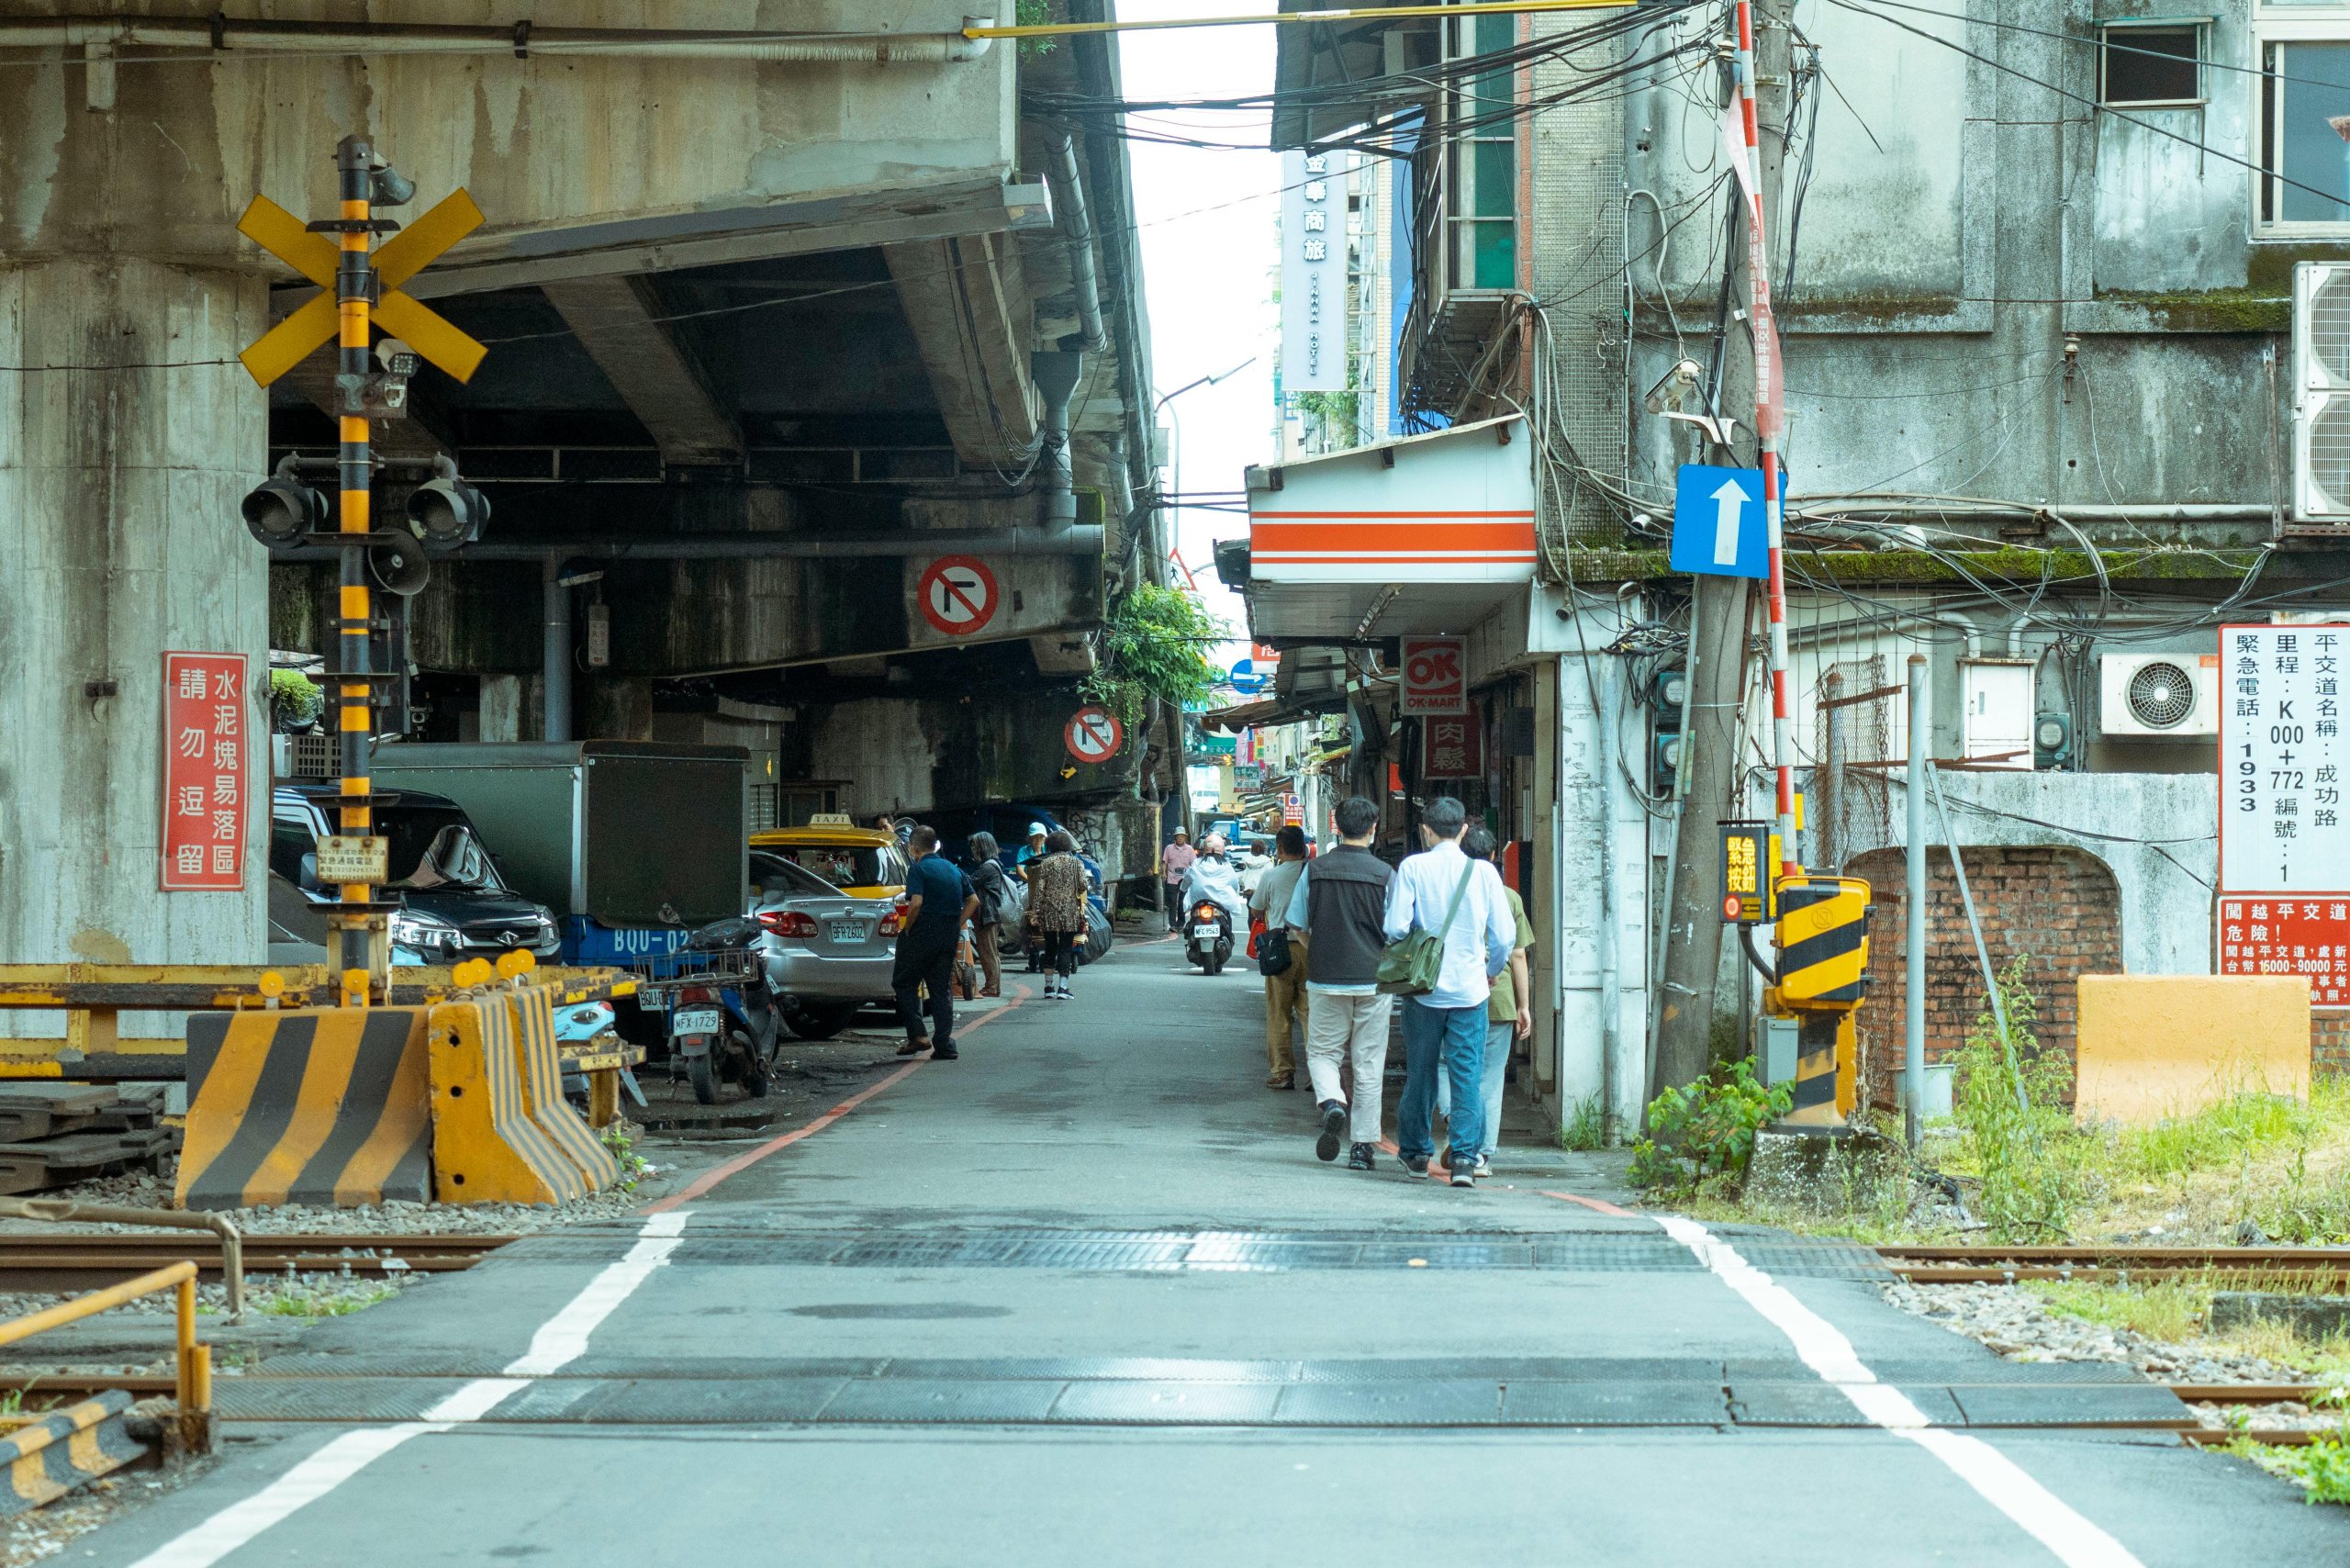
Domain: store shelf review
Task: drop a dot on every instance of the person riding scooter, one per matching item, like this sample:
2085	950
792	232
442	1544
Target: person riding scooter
1212	878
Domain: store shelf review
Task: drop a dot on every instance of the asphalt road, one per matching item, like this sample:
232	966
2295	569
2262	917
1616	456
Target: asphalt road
1086	1296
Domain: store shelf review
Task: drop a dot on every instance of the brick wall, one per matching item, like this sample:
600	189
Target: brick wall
2060	906
2329	1043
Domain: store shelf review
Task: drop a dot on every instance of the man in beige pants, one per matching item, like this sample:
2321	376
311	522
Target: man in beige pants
1284	992
1341	898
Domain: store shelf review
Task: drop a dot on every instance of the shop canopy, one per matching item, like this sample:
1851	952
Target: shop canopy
1425	534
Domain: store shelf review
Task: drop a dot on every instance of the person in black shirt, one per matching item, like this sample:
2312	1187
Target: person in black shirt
939	899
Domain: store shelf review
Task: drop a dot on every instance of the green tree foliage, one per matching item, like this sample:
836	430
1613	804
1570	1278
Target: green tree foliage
1153	644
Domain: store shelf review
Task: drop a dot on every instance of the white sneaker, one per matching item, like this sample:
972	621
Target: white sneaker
1485	1166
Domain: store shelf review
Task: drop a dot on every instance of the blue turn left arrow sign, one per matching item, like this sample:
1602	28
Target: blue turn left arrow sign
1718	523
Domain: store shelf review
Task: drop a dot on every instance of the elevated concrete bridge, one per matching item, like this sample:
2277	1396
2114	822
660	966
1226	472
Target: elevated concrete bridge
763	292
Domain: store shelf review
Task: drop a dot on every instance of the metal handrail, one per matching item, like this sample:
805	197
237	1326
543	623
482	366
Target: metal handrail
191	1361
57	1210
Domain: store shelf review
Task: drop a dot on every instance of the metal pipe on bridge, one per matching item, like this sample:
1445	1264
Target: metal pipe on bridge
228	38
1076	540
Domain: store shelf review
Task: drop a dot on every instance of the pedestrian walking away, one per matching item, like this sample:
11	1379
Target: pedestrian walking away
1280	958
990	883
1509	1014
1174	861
1440	890
1057	908
939	899
1339	905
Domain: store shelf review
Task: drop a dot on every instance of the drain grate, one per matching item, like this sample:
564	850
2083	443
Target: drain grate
1210	1251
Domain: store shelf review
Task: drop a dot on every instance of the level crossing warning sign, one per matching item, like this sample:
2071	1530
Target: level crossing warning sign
1094	734
957	595
2284	905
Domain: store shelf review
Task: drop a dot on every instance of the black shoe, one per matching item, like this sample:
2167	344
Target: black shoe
1333	1123
1464	1175
913	1047
1358	1158
1413	1164
945	1053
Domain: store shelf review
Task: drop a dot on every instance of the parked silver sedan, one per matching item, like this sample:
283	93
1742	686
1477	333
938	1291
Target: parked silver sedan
827	954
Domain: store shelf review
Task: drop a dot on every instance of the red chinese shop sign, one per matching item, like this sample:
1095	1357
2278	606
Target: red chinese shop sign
2289	937
207	767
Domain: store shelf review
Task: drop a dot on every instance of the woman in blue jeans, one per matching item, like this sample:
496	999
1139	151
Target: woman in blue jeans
1509	1014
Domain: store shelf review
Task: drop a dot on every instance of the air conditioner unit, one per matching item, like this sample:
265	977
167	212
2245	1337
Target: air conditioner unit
2158	694
2321	392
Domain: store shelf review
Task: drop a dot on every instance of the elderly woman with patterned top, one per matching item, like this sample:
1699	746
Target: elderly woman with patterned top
1057	885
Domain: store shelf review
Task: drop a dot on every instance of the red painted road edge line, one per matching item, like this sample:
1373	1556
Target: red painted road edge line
1602	1205
709	1178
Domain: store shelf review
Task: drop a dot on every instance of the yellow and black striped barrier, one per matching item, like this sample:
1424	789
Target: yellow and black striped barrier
1822	974
50	1455
325	1106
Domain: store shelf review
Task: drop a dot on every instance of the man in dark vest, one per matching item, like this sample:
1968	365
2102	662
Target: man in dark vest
1341	904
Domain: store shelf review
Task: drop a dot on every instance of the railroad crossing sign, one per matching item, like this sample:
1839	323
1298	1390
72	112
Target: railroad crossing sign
958	596
403	256
1094	734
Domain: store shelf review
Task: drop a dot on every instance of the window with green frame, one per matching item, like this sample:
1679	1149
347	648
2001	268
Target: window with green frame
1482	160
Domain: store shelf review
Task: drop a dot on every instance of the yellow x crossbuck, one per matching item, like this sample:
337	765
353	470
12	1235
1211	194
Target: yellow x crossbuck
403	256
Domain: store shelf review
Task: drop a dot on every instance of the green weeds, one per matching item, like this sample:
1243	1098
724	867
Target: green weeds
1705	1134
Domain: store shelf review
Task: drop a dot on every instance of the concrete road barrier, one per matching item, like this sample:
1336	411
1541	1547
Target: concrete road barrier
487	1146
533	1016
306	1105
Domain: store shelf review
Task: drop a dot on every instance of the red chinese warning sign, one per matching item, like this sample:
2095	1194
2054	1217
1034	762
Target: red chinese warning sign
207	763
2289	937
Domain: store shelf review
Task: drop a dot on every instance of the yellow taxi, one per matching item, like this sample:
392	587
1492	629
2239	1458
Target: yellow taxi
862	862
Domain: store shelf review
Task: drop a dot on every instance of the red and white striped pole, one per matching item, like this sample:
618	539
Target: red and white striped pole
1769	423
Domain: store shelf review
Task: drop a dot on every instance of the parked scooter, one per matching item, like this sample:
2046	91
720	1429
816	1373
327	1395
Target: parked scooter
724	1024
1207	936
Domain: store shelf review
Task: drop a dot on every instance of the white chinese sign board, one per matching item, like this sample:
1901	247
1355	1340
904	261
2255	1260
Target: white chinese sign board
1313	272
2284	825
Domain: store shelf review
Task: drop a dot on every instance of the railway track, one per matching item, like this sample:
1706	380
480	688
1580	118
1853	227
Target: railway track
60	1261
2306	1266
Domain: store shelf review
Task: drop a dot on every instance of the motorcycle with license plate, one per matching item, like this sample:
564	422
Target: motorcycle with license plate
1207	935
724	1024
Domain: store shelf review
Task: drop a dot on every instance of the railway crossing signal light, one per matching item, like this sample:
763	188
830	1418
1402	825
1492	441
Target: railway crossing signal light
446	510
282	508
360	296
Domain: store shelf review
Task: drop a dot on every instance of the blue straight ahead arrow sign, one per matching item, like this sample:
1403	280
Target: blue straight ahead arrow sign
1717	522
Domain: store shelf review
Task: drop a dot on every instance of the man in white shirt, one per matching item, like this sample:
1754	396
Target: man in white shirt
1442	889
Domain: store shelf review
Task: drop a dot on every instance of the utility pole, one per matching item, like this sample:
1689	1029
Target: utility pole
1720	611
362	942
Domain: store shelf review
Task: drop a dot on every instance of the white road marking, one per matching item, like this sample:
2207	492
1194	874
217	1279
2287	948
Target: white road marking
562	1339
1998	1479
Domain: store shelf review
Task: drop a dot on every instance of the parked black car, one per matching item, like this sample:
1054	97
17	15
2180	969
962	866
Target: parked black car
458	904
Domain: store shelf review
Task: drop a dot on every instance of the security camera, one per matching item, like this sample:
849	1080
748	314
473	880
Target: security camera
1675	385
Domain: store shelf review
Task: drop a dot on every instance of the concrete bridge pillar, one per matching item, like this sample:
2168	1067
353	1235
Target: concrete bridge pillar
119	481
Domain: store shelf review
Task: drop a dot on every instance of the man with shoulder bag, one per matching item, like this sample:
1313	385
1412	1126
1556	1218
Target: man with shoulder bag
1449	932
1281	958
1340	899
